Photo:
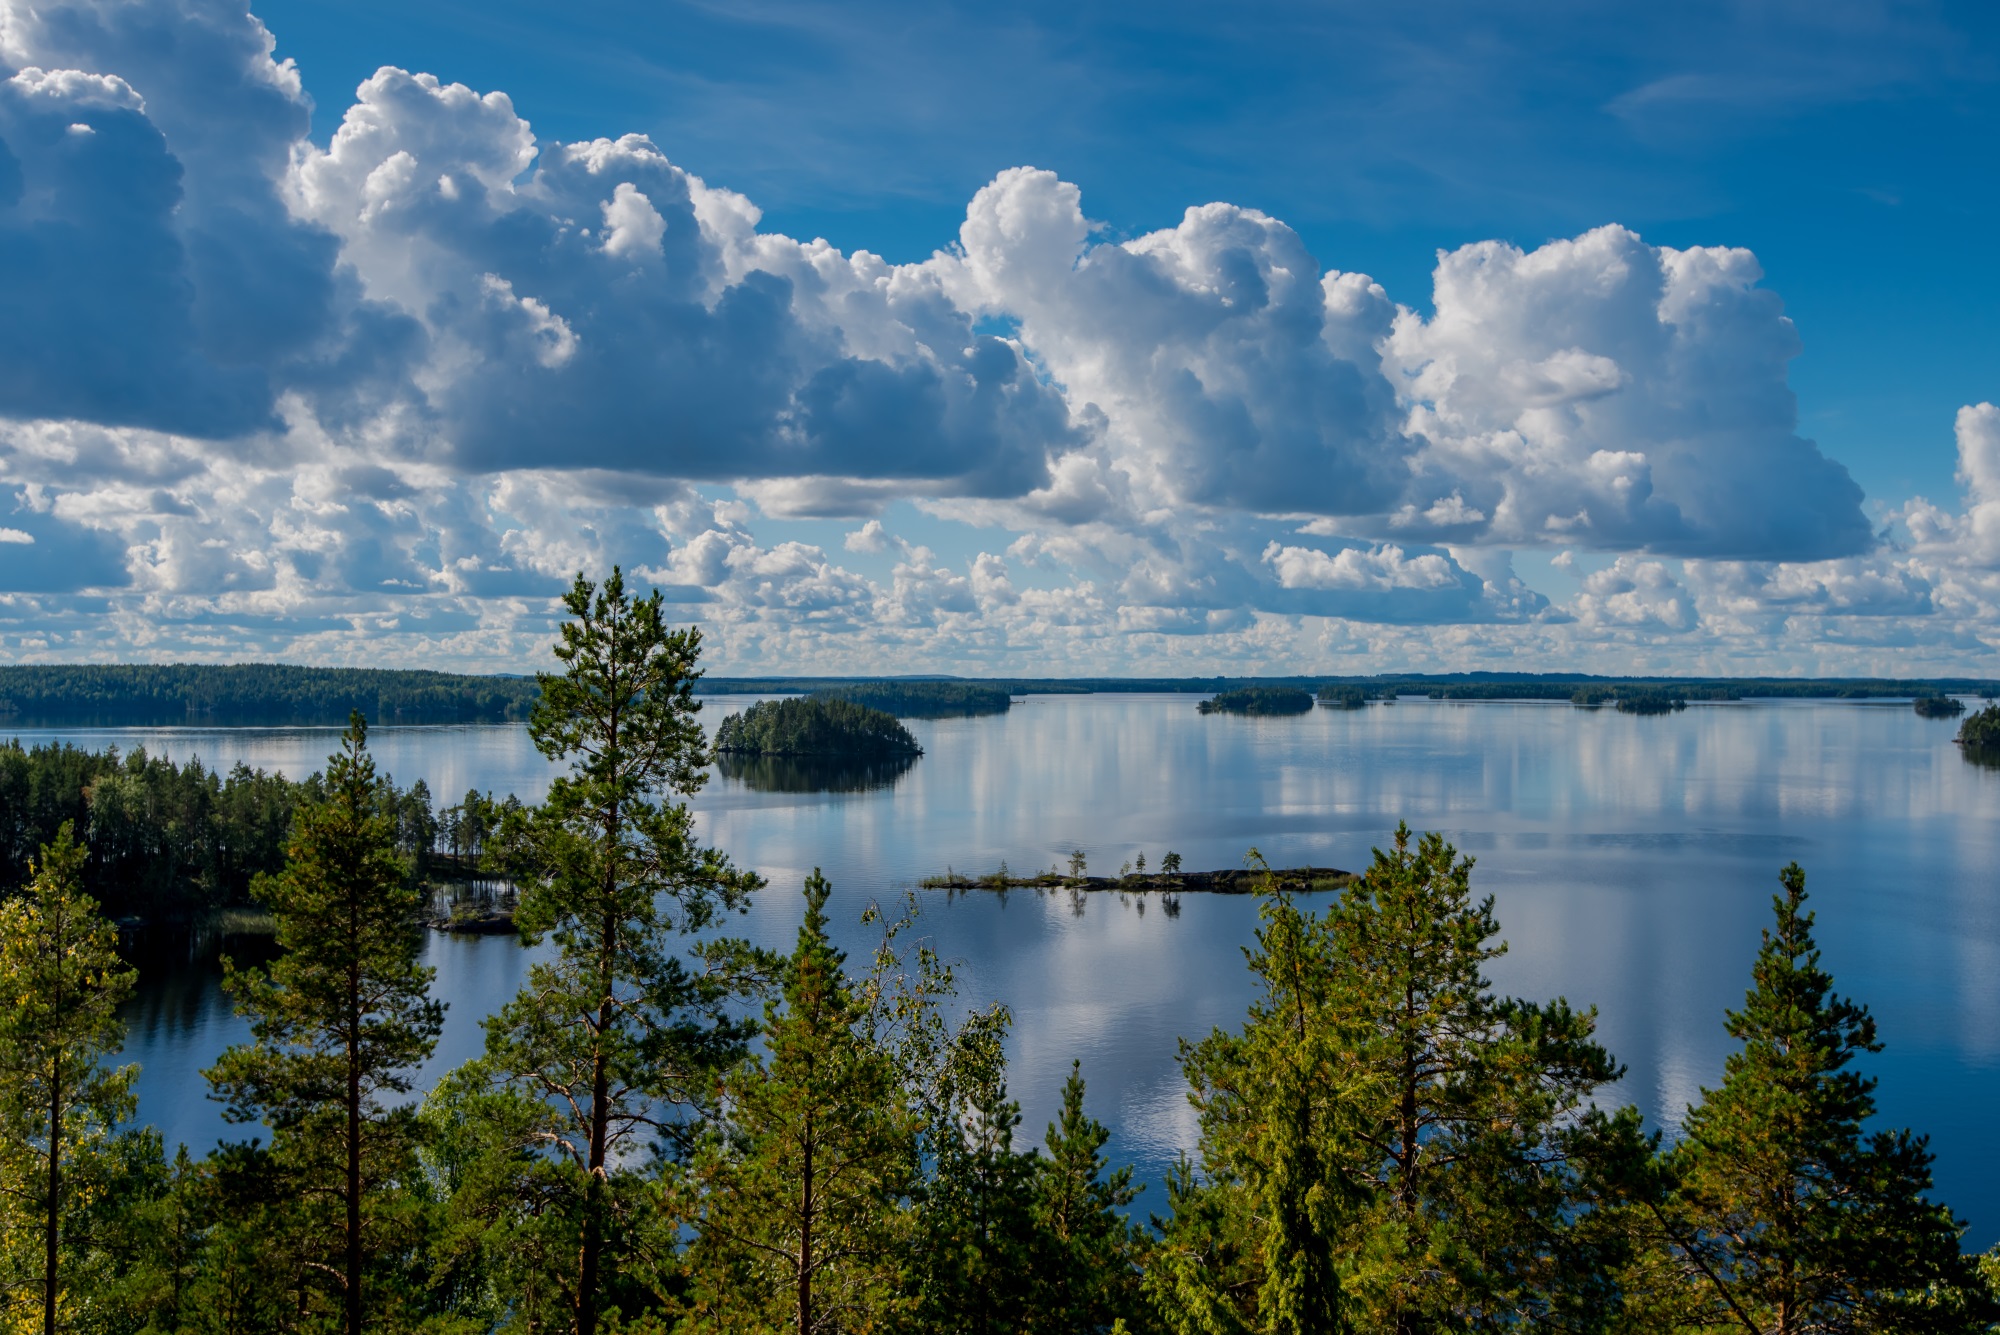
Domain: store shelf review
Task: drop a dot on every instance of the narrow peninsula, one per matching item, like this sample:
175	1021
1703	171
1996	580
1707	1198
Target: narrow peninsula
817	726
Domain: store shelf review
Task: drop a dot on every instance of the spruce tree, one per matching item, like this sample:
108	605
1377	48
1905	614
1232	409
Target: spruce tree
60	985
1785	1214
617	1039
975	1224
340	1022
1271	1099
1085	1253
801	1207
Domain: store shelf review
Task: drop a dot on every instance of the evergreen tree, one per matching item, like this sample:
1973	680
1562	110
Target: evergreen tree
975	1225
1271	1099
60	985
1470	1128
340	1022
800	1217
1389	1146
1085	1253
1784	1215
617	1031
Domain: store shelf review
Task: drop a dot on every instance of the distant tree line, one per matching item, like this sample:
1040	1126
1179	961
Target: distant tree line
1437	686
925	699
814	725
670	1130
255	693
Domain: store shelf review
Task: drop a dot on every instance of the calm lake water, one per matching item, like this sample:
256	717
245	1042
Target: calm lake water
1633	862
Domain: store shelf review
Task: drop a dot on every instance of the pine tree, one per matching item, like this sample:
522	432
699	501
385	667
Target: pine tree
1270	1100
1470	1128
1085	1252
340	1020
617	1031
801	1215
1784	1215
1389	1146
60	985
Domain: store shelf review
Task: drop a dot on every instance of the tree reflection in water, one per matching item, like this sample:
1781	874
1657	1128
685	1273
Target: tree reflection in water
814	774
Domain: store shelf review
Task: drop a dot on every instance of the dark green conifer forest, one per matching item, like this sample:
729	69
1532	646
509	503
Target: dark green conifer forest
670	1130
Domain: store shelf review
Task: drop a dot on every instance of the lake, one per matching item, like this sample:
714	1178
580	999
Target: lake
1632	861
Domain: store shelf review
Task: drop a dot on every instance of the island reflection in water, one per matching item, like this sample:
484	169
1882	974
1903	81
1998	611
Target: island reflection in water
814	774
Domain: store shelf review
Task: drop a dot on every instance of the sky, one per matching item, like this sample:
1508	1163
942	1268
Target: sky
1040	339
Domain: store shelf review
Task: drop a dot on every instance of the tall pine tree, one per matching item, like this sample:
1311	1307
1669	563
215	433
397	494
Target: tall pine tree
340	1022
60	985
1784	1214
618	1039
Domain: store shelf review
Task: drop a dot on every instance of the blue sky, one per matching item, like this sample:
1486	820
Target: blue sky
1669	355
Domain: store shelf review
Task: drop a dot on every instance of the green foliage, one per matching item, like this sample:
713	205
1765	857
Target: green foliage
167	842
814	725
340	1021
1782	1213
1938	706
60	985
255	693
1642	700
1086	1256
1981	732
1388	1145
925	699
610	1051
1342	697
799	1216
1258	700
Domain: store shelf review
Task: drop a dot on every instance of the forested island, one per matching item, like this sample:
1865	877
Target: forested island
1258	700
672	1130
1342	697
255	693
1980	733
1929	705
815	726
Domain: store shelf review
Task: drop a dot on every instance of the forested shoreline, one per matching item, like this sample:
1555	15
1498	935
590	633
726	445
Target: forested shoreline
248	693
169	843
276	693
671	1130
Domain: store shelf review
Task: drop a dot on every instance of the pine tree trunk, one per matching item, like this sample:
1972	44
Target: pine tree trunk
600	1075
600	1122
353	1295
806	1205
52	1235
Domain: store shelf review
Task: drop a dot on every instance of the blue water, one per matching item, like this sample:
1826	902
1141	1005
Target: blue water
1632	861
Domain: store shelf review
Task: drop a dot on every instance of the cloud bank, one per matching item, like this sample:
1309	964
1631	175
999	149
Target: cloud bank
377	398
